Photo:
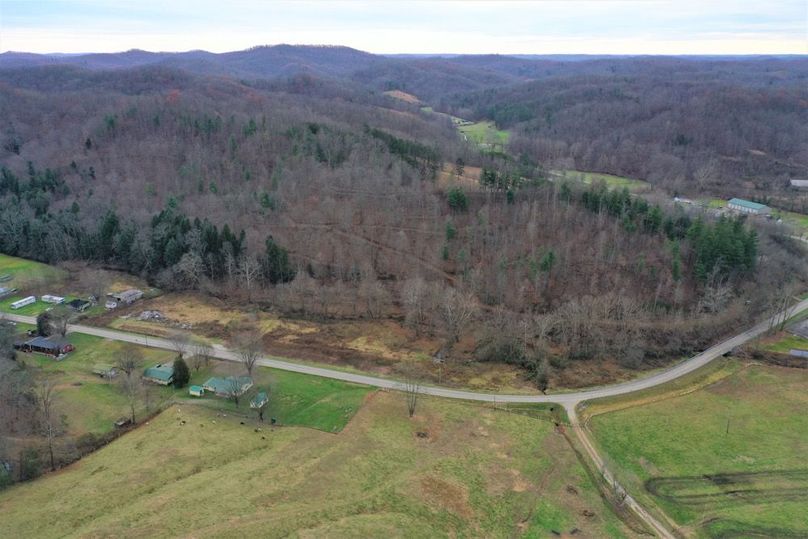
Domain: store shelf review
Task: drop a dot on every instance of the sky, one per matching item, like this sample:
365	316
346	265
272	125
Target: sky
422	27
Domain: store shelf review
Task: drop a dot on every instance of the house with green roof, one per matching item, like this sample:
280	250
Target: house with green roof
260	400
229	386
162	374
747	206
196	391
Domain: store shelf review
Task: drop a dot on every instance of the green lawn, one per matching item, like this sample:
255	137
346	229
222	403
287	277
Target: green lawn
609	180
797	220
191	472
89	403
26	272
786	343
729	456
485	134
295	399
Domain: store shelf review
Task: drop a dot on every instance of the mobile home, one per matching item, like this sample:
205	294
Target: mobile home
23	302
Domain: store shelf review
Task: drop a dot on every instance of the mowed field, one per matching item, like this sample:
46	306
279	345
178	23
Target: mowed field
727	460
611	181
191	472
485	134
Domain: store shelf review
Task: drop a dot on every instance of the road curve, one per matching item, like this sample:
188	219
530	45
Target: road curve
568	400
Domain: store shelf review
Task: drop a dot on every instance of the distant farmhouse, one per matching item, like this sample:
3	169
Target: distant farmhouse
746	206
52	346
162	374
799	184
226	387
126	297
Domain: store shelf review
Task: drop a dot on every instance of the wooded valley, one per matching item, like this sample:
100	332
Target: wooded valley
285	177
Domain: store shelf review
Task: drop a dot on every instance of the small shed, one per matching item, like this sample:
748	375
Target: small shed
260	400
162	374
797	352
105	371
55	300
196	391
225	387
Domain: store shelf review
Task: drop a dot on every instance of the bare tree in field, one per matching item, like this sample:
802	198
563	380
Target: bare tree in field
46	397
179	341
130	362
60	317
457	310
412	390
233	388
202	354
249	347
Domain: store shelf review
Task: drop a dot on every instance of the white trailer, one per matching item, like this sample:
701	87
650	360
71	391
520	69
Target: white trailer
23	302
56	300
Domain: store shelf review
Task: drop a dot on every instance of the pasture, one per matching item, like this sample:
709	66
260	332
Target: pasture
452	470
485	134
611	181
726	457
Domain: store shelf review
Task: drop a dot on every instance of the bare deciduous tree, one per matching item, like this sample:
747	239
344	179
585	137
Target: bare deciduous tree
202	354
249	347
179	341
46	399
457	310
130	362
60	317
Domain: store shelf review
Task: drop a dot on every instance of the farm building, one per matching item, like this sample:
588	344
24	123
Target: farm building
225	387
799	184
20	303
52	346
161	373
78	305
55	300
105	371
127	297
260	400
797	352
196	391
746	206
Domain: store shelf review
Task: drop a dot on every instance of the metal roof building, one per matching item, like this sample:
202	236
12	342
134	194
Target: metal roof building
747	206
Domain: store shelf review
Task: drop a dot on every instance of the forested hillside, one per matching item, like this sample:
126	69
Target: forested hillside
314	194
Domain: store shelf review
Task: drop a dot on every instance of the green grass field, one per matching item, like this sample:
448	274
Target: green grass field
727	457
89	403
609	180
24	272
787	342
473	473
485	134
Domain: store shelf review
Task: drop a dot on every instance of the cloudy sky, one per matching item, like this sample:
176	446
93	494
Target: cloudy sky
397	26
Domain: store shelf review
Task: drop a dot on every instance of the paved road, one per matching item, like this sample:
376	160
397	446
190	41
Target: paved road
568	400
